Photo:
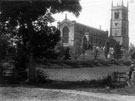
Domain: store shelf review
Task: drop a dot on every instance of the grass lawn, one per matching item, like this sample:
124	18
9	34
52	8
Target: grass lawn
70	84
79	79
80	74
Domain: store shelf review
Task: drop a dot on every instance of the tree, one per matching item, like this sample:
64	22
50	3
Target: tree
76	50
107	48
110	42
126	55
67	53
117	51
83	46
29	23
132	51
133	55
96	52
3	52
6	48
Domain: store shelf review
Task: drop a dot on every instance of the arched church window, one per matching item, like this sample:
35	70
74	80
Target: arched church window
65	35
116	15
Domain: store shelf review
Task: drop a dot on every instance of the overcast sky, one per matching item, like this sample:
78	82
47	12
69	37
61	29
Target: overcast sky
98	12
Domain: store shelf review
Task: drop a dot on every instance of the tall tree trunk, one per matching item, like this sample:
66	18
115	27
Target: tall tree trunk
32	69
83	56
1	72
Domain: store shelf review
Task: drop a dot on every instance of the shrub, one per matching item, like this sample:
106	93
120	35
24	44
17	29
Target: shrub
21	65
75	51
67	54
41	76
114	62
127	63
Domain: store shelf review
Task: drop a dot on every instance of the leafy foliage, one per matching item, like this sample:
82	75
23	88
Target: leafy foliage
30	22
83	44
6	48
37	8
76	50
96	52
3	48
117	51
27	23
67	53
108	44
133	55
107	47
132	51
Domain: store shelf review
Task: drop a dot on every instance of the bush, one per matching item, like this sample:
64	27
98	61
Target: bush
41	76
21	63
127	63
115	62
87	64
67	54
75	52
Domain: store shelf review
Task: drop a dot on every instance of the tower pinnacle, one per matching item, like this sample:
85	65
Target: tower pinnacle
122	2
112	3
127	5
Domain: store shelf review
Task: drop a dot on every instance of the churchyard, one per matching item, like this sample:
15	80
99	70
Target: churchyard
37	64
69	79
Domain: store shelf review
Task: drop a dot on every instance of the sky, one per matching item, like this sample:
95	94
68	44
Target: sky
96	13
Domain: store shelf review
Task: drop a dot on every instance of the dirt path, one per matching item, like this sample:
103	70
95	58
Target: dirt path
39	94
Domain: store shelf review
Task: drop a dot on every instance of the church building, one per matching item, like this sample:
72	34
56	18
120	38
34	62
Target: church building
119	26
73	33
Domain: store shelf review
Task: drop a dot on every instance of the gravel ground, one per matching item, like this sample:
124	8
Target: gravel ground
40	94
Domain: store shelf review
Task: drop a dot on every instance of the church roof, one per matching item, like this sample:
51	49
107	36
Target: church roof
89	27
66	20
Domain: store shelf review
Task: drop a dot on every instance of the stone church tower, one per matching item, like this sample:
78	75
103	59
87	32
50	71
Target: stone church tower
119	24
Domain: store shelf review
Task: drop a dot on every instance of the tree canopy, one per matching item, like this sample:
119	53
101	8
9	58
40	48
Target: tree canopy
22	18
35	8
26	22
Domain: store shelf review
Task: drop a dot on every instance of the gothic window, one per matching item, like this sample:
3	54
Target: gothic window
65	35
116	15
